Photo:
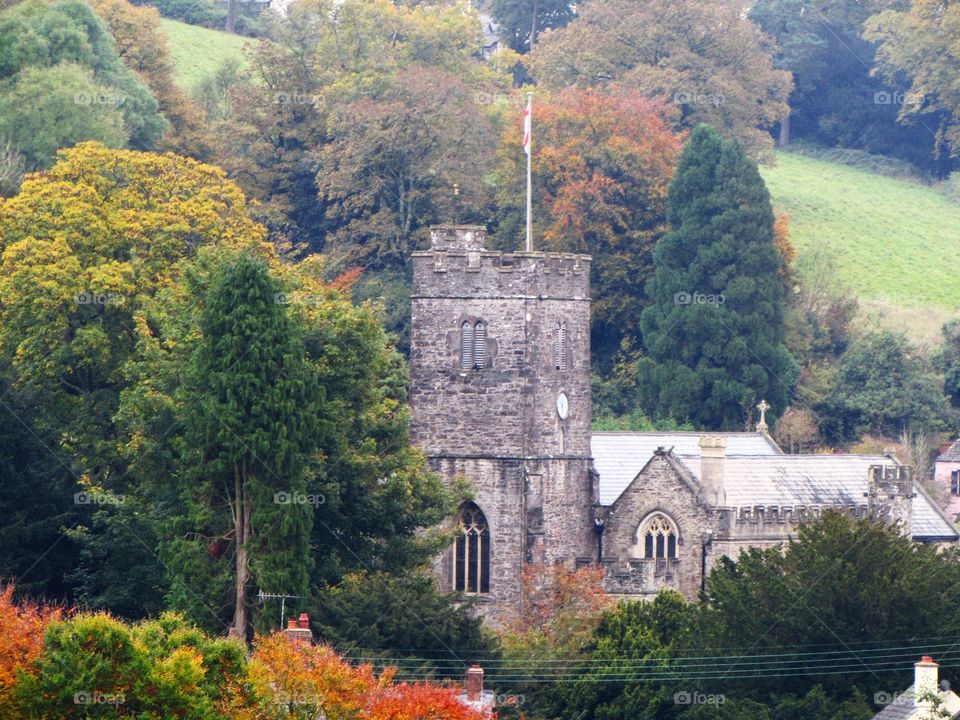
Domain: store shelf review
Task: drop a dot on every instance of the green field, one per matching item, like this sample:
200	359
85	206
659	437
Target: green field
198	52
894	244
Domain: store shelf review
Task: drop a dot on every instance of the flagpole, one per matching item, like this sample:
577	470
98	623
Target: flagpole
529	142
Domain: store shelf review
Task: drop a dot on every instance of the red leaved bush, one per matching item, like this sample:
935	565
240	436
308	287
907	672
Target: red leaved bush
303	680
22	627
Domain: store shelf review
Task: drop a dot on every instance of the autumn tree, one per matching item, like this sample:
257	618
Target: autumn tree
22	628
602	165
711	63
142	48
309	681
551	627
86	247
398	162
714	332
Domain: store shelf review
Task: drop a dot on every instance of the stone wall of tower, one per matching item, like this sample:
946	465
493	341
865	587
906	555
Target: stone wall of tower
498	426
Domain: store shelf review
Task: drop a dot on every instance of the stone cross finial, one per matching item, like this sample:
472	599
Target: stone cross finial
762	425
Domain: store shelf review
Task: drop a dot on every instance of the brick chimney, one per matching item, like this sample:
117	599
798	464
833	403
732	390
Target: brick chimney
926	681
298	629
475	684
713	452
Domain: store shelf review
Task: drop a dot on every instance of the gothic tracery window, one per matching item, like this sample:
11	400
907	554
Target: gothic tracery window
473	345
658	533
471	556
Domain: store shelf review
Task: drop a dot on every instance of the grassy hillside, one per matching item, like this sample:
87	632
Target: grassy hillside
198	52
895	244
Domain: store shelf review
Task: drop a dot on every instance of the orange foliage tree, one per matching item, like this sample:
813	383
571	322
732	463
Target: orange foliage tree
602	164
297	680
558	612
22	626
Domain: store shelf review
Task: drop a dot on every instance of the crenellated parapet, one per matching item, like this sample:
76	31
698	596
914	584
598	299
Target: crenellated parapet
458	266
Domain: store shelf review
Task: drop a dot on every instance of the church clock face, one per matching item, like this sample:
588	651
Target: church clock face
563	406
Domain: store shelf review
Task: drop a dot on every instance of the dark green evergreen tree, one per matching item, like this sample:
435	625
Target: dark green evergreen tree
714	331
521	21
250	401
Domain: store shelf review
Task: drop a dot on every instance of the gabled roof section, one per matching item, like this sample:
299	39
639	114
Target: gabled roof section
678	467
620	456
930	522
951	454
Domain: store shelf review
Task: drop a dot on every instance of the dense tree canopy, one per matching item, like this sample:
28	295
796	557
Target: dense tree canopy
921	42
62	81
883	387
714	332
521	21
602	166
251	404
714	65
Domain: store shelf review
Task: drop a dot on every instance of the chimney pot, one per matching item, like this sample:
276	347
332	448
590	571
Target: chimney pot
291	623
474	683
303	622
926	681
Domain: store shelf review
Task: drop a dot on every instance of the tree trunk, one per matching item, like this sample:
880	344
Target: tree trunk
241	524
231	14
784	131
533	25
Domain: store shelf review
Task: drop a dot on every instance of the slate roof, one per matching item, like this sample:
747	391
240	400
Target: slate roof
902	707
756	472
951	454
619	456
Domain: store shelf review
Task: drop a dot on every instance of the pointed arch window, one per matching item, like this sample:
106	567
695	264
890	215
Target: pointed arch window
659	535
473	345
471	555
560	346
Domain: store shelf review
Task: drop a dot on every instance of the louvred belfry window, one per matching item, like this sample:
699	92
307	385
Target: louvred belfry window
560	346
479	345
471	556
473	345
466	346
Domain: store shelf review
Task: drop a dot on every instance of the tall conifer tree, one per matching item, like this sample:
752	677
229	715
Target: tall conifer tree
251	402
714	331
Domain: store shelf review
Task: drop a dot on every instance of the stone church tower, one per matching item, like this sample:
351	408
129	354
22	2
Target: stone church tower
500	396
